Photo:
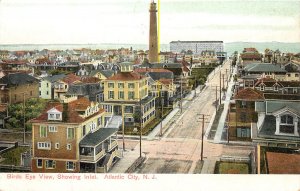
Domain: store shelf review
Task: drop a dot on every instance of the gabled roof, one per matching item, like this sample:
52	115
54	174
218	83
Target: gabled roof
17	79
263	67
126	76
71	78
73	107
249	95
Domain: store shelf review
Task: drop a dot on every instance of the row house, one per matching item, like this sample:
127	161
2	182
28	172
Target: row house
18	87
280	87
124	94
70	138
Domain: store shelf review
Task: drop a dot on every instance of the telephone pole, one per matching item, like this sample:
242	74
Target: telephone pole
24	120
220	86
141	117
202	133
123	126
180	93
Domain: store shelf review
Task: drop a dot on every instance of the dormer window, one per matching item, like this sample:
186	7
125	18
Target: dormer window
286	124
54	114
262	88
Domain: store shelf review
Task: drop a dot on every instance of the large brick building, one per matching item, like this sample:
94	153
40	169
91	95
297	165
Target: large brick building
17	87
70	137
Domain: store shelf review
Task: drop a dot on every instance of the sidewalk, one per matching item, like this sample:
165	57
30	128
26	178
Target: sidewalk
129	157
222	120
209	166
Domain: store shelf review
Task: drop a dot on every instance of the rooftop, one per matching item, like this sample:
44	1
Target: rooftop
95	138
126	76
283	163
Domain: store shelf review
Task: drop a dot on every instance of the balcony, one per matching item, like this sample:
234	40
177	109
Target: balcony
92	158
112	146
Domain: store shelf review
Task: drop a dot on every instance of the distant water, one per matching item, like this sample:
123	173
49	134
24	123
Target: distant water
229	47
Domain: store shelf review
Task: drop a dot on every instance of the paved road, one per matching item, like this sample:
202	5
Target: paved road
179	150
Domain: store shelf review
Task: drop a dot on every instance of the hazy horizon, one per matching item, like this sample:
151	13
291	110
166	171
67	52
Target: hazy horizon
127	21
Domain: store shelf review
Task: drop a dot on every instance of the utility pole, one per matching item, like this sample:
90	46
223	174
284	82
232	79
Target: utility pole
220	87
24	120
227	79
202	134
141	117
223	82
162	115
216	99
123	127
181	93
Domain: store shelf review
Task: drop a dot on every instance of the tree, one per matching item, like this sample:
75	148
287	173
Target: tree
33	108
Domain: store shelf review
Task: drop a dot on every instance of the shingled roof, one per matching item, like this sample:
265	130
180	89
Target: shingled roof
249	94
73	107
126	76
17	79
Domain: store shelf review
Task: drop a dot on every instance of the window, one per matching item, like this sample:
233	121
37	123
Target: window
296	75
47	93
83	130
243	132
244	104
69	146
275	88
121	95
111	94
120	85
262	88
52	129
57	116
130	95
130	85
43	131
286	119
47	85
110	85
56	145
243	117
128	109
39	163
93	126
99	121
66	86
70	133
40	93
50	164
70	165
286	124
44	145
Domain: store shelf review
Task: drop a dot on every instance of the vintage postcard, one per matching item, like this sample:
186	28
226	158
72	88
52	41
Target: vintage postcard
149	94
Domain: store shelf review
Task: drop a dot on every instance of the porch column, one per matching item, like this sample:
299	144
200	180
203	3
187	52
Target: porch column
94	153
95	167
277	125
296	126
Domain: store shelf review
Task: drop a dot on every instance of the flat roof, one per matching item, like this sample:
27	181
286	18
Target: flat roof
179	41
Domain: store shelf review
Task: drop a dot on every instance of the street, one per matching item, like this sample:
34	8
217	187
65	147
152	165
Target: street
179	150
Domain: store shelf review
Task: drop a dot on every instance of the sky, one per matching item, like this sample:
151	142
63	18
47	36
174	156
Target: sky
127	21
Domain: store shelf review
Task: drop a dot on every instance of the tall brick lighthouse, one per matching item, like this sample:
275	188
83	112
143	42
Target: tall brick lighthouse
153	39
